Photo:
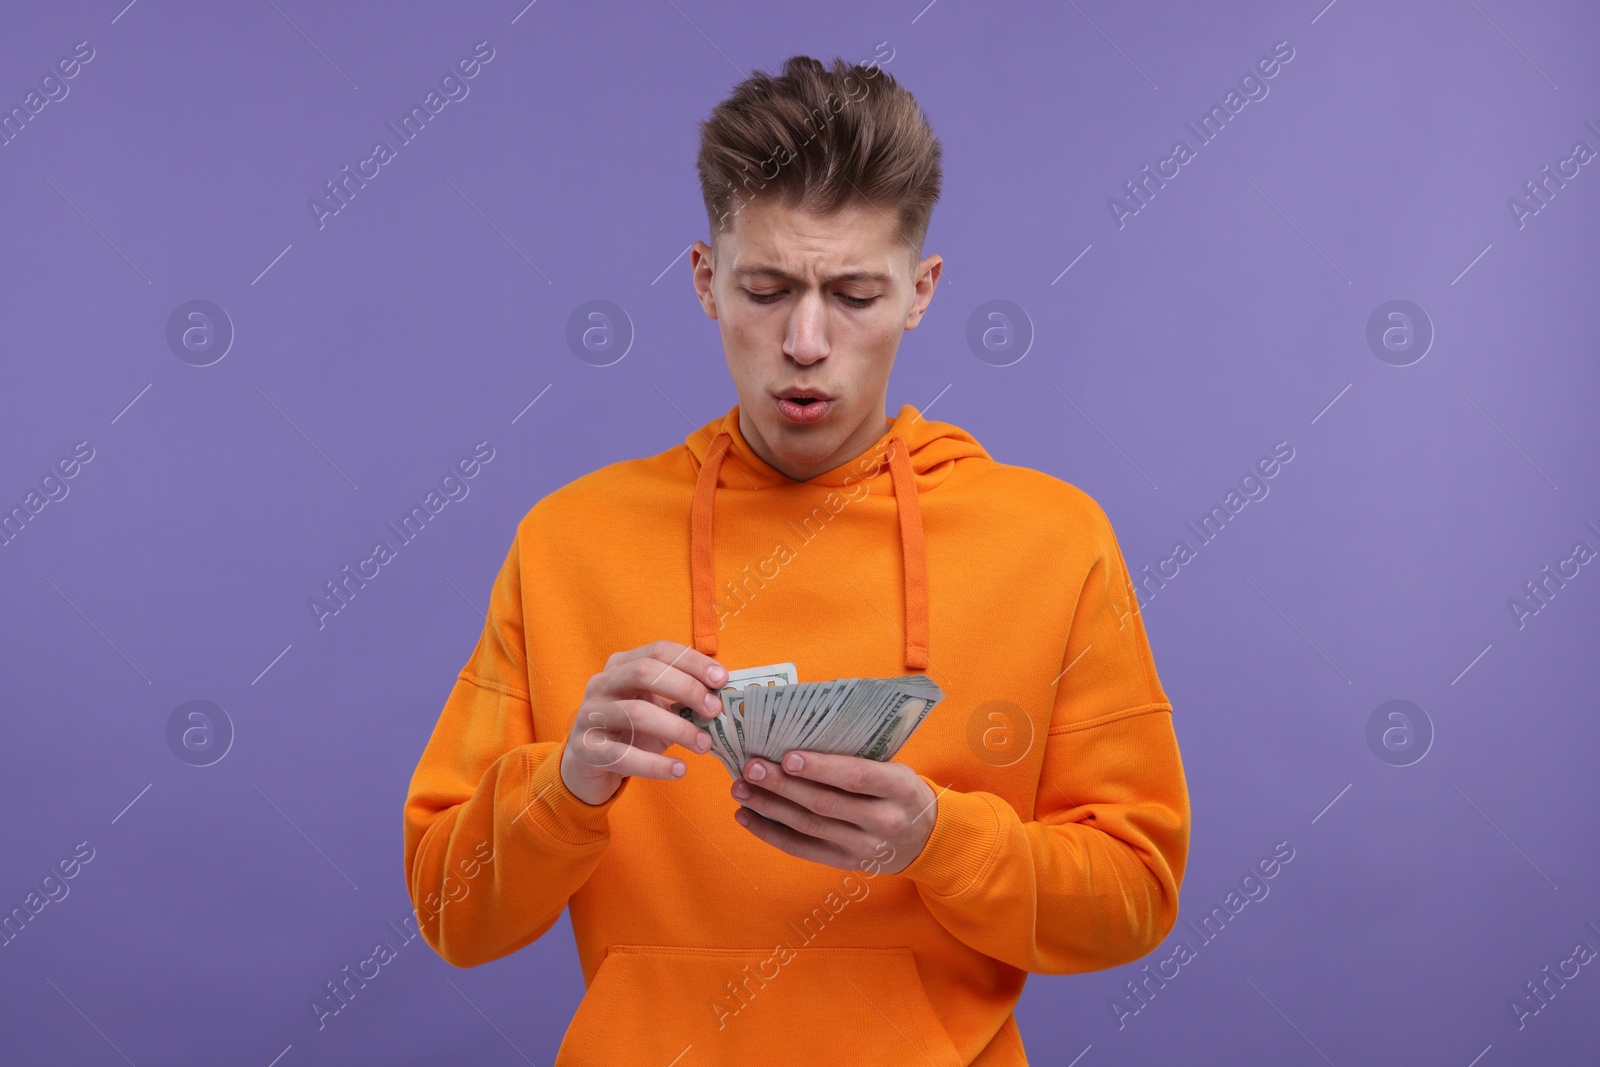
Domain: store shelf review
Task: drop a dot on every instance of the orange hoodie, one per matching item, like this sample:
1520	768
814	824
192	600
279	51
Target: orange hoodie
1062	822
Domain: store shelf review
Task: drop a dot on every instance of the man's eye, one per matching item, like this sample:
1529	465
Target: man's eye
857	302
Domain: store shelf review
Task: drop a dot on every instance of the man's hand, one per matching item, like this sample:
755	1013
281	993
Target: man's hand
838	810
625	721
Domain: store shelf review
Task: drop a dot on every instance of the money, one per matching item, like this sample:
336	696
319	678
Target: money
768	712
726	730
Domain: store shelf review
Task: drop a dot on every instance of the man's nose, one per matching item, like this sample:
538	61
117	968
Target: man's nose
807	340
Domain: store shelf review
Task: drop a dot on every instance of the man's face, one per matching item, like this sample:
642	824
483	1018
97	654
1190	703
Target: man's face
812	303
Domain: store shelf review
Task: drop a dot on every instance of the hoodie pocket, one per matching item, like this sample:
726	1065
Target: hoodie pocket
658	1004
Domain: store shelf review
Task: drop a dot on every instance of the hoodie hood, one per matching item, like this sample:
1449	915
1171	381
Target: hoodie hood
913	456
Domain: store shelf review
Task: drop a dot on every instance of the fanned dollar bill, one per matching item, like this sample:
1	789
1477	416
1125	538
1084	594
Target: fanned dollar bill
769	712
727	729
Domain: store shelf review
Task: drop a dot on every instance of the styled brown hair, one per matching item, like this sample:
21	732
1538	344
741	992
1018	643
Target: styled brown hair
819	140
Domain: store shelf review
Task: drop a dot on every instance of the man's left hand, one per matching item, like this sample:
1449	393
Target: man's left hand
838	810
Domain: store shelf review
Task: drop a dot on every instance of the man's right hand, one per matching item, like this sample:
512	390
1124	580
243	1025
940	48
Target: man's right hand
625	721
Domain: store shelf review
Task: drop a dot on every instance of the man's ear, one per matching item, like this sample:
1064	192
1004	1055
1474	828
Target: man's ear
703	272
928	272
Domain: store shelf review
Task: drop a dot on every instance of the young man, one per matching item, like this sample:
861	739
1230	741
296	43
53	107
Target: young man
877	912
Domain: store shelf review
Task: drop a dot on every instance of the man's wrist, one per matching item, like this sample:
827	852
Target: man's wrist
960	847
586	790
548	806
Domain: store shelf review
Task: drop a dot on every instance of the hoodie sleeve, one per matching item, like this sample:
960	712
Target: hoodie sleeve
495	843
1091	880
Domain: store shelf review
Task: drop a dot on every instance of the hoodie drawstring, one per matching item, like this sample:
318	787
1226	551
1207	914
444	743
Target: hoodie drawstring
913	553
702	579
913	556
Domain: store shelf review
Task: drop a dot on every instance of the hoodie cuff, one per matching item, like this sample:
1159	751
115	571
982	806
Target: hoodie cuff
553	809
962	846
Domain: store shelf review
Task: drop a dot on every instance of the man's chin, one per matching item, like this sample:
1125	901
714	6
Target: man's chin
798	445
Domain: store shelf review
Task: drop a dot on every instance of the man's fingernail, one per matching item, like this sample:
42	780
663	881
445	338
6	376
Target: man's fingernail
793	761
713	702
678	768
716	672
756	771
741	817
702	741
741	790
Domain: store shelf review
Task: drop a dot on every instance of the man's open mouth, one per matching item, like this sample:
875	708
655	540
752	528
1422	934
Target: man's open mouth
803	405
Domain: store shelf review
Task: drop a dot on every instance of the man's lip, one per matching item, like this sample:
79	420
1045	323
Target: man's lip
803	414
803	394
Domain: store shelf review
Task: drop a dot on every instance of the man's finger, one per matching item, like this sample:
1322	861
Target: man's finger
799	845
803	820
825	800
640	722
691	661
598	749
652	720
651	676
853	774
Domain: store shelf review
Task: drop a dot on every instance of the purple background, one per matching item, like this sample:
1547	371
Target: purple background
1228	315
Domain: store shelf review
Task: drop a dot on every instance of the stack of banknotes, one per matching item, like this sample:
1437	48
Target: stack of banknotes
768	712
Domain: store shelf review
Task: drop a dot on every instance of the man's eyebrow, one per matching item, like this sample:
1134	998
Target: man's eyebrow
774	272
